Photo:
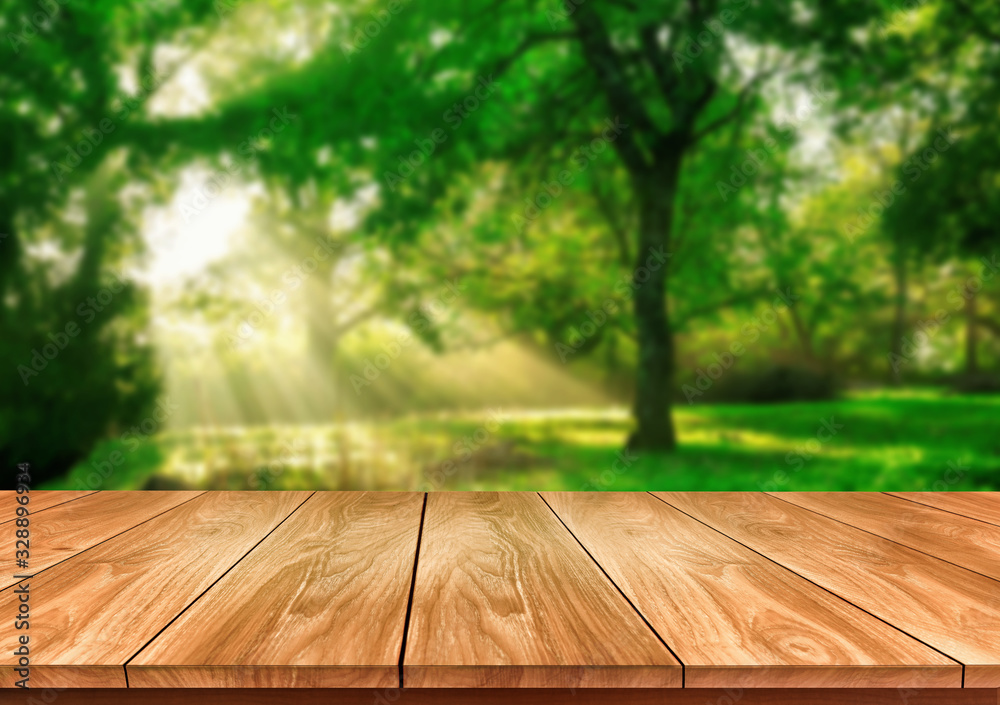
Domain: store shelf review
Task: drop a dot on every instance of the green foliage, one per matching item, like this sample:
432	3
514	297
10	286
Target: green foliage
76	367
953	202
522	151
774	384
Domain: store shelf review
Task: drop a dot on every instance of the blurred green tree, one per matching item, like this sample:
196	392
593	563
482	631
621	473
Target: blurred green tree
544	89
71	327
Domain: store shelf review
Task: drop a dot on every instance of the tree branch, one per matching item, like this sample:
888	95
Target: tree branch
979	25
742	97
654	57
530	41
734	300
618	229
610	73
989	324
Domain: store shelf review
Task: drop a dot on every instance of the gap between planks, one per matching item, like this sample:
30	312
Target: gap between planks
549	616
821	587
620	591
79	495
413	585
318	603
104	540
708	595
887	535
205	591
953	503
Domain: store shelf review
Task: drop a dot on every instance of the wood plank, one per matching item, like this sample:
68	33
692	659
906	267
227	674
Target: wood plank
949	608
505	597
39	500
97	609
957	539
321	603
68	529
735	619
524	696
984	506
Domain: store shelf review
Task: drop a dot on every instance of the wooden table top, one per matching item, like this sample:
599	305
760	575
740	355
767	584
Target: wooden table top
355	590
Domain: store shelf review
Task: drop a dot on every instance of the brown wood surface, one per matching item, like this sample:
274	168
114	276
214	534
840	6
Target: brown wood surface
67	529
984	506
957	539
97	609
504	597
38	501
299	589
321	603
522	696
949	608
734	618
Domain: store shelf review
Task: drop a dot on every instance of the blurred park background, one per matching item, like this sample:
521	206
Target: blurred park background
469	244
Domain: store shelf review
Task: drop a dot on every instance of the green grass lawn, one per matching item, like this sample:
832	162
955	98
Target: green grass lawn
916	440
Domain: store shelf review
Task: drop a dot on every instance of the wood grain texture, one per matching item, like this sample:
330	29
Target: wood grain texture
735	619
97	609
39	500
67	529
984	506
321	603
523	696
505	597
957	539
952	609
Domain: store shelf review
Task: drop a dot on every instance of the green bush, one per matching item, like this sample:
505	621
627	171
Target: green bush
980	383
771	385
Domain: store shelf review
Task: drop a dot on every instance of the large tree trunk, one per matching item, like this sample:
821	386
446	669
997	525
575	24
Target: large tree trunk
971	335
654	429
11	274
802	332
898	331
